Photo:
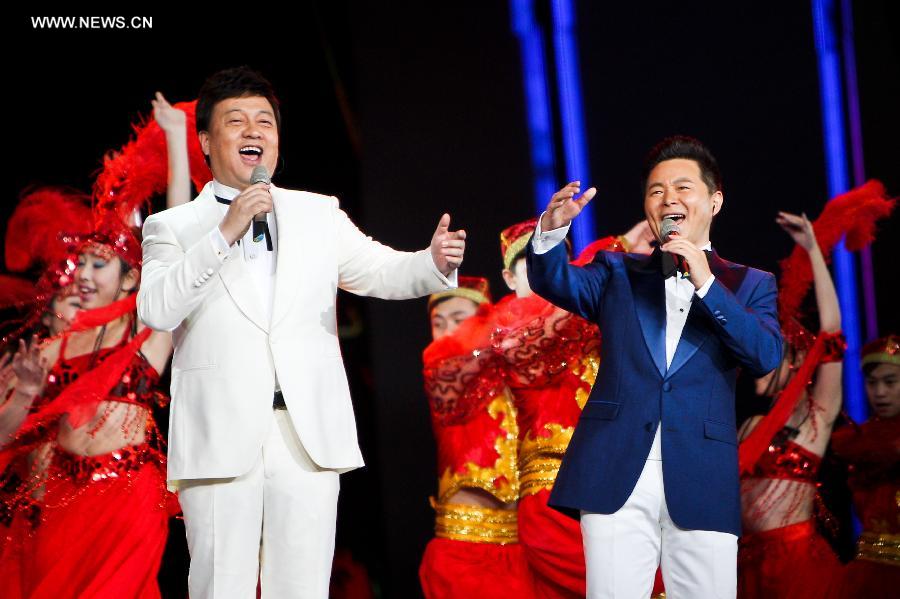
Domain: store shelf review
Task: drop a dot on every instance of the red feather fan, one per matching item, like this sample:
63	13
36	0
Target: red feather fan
139	170
853	215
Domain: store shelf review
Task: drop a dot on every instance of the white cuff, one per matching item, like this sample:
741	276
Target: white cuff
704	289
450	281
219	244
543	242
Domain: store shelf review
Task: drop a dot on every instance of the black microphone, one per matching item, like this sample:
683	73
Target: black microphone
666	230
259	175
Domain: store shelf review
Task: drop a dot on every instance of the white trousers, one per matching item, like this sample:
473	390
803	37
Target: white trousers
275	524
623	550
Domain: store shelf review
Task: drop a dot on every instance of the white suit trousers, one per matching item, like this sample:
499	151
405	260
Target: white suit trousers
275	524
623	550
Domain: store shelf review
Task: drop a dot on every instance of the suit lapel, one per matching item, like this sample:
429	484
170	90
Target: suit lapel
696	330
649	293
692	337
234	273
289	265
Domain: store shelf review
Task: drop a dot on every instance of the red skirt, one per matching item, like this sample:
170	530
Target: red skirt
553	546
452	569
793	562
102	538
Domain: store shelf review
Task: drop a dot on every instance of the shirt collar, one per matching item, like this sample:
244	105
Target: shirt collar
223	191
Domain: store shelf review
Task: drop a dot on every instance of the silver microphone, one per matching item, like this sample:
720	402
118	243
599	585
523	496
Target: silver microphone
259	175
666	230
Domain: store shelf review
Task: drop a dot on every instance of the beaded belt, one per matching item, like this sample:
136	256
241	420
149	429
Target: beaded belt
879	547
538	473
475	524
116	464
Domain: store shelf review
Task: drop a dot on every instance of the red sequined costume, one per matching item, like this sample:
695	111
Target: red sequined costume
873	452
552	359
475	552
778	476
792	561
87	526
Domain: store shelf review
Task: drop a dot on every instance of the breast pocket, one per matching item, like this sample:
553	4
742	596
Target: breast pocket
720	431
600	410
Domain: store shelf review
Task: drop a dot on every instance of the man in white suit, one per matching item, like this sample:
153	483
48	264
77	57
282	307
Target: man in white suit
261	421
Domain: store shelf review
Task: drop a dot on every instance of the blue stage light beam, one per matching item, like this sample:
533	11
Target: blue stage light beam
537	100
568	77
833	130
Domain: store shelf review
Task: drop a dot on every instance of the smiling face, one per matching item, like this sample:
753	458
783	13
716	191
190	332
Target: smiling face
676	188
100	280
243	134
883	389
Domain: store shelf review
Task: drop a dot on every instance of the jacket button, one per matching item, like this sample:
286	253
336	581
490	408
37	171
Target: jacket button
648	427
667	386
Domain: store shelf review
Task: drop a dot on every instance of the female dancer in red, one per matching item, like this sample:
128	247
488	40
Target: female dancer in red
475	552
83	476
781	554
873	452
88	510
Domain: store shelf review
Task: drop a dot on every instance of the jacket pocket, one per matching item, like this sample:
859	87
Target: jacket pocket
600	410
720	431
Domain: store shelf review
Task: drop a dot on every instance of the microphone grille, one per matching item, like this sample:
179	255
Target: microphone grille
259	175
666	229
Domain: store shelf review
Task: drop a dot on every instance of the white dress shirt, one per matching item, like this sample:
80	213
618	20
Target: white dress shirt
679	293
259	261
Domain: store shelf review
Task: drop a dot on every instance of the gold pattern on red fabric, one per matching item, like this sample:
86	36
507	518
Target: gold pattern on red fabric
475	524
473	415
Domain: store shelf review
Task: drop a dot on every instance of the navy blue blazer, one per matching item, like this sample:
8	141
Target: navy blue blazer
734	326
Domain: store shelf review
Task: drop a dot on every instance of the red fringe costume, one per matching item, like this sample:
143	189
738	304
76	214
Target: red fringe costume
795	561
92	526
87	526
476	551
792	561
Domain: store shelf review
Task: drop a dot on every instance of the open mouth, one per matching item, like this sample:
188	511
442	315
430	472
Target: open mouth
251	154
86	293
676	217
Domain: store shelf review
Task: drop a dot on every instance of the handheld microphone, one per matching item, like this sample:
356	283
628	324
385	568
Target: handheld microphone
666	230
260	175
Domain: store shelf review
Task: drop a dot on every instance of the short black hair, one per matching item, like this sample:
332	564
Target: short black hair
236	82
689	148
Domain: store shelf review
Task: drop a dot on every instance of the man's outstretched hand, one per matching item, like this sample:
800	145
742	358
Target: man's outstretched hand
564	206
447	247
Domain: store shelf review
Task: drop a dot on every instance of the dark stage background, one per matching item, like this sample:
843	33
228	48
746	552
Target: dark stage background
407	110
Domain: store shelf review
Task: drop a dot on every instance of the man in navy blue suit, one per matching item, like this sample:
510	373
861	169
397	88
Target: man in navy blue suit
652	466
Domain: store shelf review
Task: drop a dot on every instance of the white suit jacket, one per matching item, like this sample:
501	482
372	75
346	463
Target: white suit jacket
226	354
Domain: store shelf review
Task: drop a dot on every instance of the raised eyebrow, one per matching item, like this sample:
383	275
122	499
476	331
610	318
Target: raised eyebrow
683	180
654	184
